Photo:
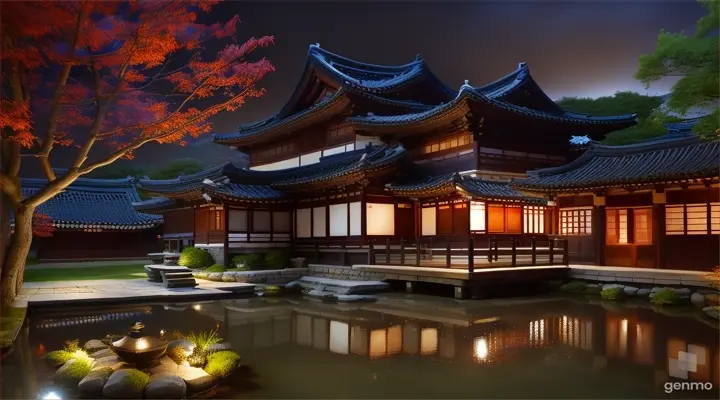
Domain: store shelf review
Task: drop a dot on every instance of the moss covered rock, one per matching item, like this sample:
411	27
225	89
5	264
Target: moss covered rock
573	287
222	363
73	371
126	384
665	297
615	293
91	386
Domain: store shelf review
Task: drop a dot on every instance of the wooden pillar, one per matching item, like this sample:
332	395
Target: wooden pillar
249	223
471	254
598	228
226	234
272	223
658	226
327	220
363	216
194	215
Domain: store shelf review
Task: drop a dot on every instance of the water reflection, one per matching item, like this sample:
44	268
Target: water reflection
569	345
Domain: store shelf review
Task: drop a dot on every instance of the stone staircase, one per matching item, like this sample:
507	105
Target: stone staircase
178	279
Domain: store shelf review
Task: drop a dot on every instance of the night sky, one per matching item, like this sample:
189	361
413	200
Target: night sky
573	48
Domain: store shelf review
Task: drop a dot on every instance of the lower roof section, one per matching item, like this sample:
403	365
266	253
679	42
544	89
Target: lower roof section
93	204
666	160
476	188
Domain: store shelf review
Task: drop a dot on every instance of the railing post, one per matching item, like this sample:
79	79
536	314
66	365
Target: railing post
490	249
497	250
317	253
448	257
371	252
551	244
387	250
402	251
345	255
566	252
533	245
417	252
471	254
513	246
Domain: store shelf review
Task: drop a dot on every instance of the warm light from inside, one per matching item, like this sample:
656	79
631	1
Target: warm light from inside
52	396
480	349
428	341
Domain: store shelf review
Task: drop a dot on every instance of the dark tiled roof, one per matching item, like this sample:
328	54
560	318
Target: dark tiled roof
153	204
468	95
328	106
93	204
666	159
475	187
182	183
236	191
330	167
495	190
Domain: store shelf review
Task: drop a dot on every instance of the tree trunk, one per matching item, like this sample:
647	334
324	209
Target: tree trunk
4	227
16	255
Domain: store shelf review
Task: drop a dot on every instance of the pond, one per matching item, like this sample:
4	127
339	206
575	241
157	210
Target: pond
411	346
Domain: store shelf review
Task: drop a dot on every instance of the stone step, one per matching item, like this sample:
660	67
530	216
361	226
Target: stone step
180	282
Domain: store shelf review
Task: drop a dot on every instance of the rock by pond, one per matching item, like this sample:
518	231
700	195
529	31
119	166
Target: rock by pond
91	386
126	384
165	386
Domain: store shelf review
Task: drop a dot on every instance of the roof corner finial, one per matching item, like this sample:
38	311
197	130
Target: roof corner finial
467	82
418	57
317	45
522	64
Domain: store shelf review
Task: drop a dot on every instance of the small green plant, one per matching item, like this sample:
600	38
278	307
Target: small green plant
201	341
665	297
195	258
277	259
573	287
215	268
612	293
177	354
222	363
249	261
58	357
197	359
72	345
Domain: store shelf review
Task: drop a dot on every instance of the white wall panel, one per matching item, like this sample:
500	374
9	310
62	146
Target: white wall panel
319	217
303	224
238	220
356	219
339	220
428	218
380	219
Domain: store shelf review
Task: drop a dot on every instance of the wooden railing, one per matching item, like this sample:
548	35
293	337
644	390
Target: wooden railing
497	252
447	252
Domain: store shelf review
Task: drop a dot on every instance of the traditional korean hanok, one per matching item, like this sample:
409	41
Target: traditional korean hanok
95	219
370	153
653	204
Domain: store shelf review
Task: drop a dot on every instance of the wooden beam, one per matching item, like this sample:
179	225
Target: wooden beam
226	239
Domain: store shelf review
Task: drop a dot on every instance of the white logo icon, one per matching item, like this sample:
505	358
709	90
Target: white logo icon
686	361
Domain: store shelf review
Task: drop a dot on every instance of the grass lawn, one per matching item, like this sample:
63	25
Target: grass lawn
86	273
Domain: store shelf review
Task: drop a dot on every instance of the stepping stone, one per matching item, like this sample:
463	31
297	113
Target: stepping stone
196	379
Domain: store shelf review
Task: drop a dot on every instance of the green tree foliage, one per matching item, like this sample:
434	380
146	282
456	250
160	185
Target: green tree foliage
650	121
696	59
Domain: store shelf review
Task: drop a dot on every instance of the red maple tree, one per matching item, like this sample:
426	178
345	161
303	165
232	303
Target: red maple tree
91	74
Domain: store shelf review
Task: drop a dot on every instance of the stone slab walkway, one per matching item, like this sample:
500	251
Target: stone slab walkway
122	290
87	264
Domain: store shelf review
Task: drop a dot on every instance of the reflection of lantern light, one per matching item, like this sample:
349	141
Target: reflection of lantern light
162	332
141	344
481	349
428	341
197	307
52	396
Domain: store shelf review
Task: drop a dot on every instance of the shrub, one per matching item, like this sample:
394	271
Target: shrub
612	293
196	258
249	261
277	259
222	363
215	268
665	297
573	287
72	345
